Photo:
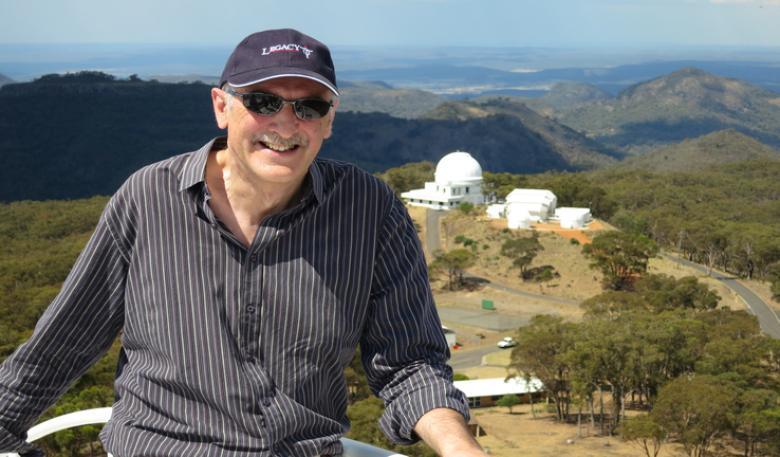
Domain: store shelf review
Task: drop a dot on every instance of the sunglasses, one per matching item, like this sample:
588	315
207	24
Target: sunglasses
305	109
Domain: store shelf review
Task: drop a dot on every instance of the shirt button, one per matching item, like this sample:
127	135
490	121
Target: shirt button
266	402
250	309
253	258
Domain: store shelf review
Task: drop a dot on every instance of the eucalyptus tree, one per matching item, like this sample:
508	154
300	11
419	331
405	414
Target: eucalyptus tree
621	257
454	263
696	410
522	251
645	432
757	421
540	352
606	353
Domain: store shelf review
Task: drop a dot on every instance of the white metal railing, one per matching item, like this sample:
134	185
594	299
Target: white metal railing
352	448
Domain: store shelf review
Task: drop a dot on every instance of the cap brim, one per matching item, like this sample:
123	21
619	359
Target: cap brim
255	78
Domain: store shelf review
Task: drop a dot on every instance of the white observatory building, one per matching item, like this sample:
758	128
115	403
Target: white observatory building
457	179
525	207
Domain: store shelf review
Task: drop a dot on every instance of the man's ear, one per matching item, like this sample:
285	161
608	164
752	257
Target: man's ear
331	116
220	104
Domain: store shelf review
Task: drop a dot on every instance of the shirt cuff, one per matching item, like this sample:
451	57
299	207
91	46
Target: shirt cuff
403	413
9	442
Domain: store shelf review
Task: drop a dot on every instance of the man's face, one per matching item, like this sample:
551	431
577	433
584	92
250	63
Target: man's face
278	148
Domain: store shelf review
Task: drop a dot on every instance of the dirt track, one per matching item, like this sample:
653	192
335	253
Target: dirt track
520	434
583	236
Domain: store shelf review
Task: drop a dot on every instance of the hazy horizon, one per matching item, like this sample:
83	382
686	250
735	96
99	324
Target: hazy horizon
434	23
23	62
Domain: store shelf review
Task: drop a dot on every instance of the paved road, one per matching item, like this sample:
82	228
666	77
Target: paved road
477	317
767	318
471	358
522	293
432	230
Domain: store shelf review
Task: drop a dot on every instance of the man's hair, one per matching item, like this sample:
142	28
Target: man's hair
229	101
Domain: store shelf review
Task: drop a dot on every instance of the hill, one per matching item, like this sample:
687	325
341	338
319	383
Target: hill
82	134
576	149
370	97
684	104
188	78
377	141
5	80
566	96
724	146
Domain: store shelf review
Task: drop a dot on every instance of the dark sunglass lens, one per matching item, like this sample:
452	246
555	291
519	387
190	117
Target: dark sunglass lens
265	104
311	108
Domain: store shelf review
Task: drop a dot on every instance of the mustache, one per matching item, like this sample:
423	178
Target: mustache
276	139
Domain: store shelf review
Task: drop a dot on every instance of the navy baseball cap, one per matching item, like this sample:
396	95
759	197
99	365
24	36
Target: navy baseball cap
280	53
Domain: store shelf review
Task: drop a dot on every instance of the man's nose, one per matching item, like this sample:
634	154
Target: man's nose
285	121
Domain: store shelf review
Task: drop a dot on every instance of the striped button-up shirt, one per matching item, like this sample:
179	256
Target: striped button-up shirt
232	350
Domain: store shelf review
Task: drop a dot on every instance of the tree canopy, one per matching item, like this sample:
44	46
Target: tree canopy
621	257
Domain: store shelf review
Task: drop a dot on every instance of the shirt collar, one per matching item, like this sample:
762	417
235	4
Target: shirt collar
194	170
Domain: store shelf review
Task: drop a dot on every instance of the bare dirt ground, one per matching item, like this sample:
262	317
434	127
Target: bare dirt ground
520	434
418	215
577	280
507	302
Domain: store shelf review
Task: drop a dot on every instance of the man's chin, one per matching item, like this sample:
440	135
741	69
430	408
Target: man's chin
280	174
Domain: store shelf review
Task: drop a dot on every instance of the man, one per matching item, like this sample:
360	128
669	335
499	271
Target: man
243	276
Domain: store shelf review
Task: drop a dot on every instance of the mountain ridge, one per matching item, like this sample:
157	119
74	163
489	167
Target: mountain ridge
683	104
714	149
577	149
79	135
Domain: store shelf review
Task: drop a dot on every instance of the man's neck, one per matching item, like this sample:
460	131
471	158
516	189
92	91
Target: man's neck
241	203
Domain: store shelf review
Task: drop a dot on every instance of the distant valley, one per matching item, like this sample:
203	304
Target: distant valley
80	135
684	104
463	80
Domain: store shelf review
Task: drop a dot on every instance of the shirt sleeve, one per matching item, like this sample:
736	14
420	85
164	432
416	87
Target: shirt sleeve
404	350
76	329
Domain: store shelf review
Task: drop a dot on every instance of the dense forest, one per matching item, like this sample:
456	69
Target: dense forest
708	378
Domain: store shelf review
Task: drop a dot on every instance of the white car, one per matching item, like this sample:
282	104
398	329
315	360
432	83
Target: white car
507	343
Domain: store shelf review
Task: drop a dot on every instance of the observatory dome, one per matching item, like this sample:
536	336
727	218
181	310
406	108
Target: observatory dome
457	167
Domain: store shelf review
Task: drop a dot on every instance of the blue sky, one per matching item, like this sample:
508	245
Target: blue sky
425	23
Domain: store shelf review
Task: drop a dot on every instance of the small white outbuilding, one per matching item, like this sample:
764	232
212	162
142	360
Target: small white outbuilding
485	392
539	204
496	211
573	218
450	336
517	217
